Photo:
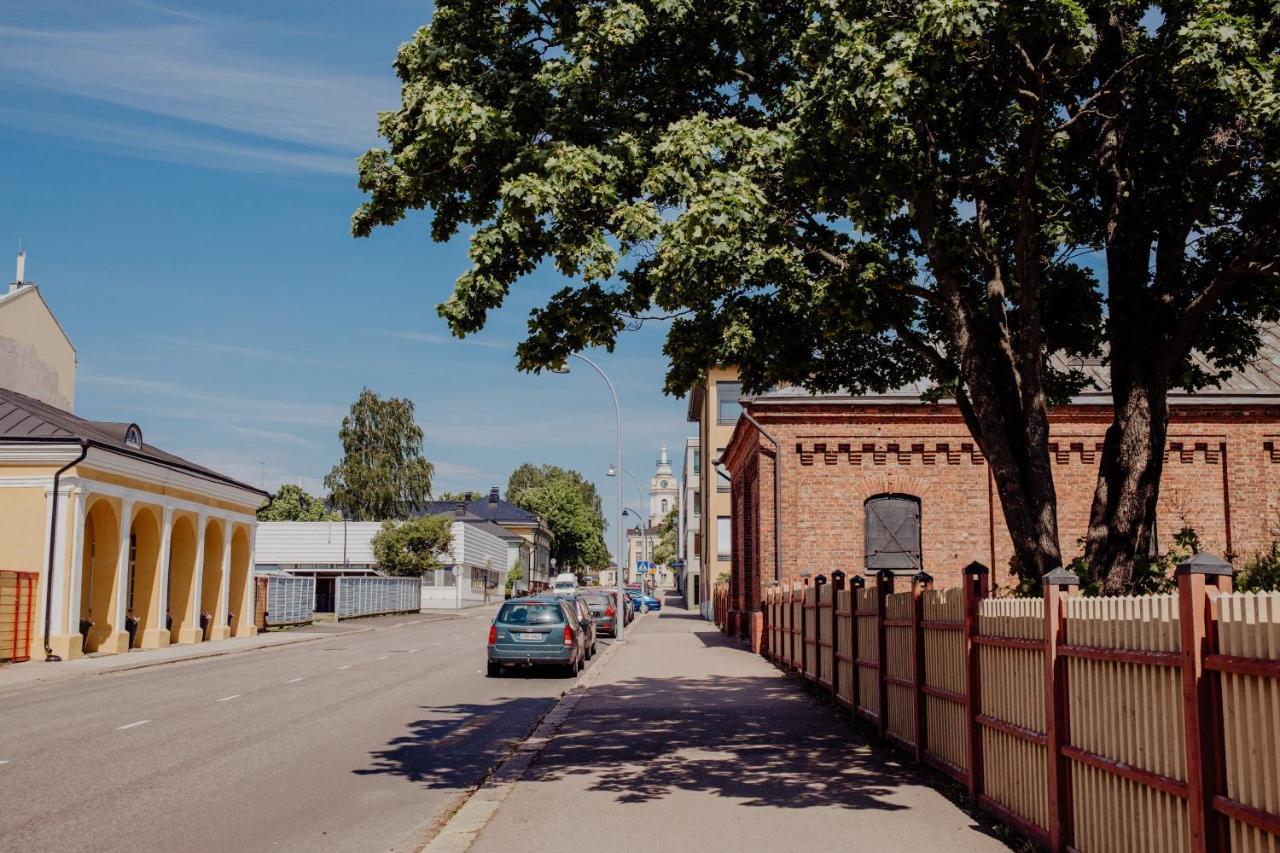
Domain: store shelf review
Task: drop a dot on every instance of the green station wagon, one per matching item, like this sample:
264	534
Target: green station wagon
537	632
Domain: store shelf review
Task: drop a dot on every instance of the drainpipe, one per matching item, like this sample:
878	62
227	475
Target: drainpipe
49	656
777	496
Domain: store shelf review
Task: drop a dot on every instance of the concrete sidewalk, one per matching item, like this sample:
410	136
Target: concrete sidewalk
687	741
37	671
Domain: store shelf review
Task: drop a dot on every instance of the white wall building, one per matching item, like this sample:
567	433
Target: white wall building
689	546
474	570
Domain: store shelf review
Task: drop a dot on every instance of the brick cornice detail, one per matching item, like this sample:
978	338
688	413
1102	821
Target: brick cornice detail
879	453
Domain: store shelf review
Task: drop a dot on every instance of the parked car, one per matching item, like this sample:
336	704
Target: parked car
565	582
585	618
642	601
536	631
628	607
603	609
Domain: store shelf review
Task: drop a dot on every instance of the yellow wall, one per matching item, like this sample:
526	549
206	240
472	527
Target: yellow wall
712	436
36	358
22	537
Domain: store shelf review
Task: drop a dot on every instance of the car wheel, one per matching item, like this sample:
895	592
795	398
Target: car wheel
569	670
494	670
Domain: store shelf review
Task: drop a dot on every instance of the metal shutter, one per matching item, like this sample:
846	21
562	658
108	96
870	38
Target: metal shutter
893	533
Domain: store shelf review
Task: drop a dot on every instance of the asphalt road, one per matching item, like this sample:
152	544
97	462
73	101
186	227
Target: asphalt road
359	741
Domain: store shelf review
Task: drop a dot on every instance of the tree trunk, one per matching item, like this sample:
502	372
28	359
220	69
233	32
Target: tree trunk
1122	517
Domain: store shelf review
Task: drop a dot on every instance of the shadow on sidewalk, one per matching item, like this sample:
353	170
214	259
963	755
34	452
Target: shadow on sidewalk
753	739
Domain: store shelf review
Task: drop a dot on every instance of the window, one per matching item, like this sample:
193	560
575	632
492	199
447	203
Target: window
133	436
697	503
727	405
664	507
724	538
723	480
697	544
697	460
893	533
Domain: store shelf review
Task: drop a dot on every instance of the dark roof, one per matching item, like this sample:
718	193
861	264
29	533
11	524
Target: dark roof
490	508
481	523
23	419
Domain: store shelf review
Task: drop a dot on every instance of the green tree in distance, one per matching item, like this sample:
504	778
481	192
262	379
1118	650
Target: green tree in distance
861	195
292	503
413	547
383	474
577	544
460	497
528	476
664	552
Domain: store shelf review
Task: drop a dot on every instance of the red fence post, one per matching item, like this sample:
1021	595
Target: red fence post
884	588
837	587
920	581
1058	584
855	689
1199	579
976	588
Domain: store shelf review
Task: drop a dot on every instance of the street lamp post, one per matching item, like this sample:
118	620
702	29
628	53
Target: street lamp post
644	552
619	623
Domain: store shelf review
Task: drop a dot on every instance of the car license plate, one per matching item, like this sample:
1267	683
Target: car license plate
529	638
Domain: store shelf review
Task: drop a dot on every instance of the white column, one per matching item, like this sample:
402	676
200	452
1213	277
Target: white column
117	618
161	607
58	613
251	588
224	588
75	572
198	580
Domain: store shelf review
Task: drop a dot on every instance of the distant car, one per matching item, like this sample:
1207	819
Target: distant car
628	606
642	601
585	617
535	631
603	609
565	582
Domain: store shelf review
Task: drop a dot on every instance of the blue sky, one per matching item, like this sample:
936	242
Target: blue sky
181	175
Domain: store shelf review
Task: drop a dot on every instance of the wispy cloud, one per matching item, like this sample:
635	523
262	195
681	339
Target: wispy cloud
233	349
279	436
432	338
288	114
221	406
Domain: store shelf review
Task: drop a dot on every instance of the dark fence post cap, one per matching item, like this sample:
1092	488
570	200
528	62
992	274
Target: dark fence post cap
1204	564
1061	577
858	581
976	568
838	575
885	575
922	577
820	580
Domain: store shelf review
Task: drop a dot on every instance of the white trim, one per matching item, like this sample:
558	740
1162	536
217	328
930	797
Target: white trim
23	453
116	463
140	496
27	482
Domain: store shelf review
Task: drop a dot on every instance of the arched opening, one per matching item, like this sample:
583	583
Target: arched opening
665	508
98	576
212	580
184	625
239	599
144	580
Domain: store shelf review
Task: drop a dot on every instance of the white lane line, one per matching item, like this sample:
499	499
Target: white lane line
132	725
348	666
412	651
294	680
229	698
435	644
384	657
4	761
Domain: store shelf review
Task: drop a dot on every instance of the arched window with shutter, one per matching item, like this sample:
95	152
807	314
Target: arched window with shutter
893	533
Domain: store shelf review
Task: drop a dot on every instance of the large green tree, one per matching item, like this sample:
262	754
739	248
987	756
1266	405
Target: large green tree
383	474
292	503
529	476
577	543
412	547
858	195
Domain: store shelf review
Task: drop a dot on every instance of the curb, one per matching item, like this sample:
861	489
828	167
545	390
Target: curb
477	808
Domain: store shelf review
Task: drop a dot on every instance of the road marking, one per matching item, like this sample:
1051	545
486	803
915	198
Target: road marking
229	698
411	651
294	680
4	761
348	666
132	725
384	657
435	644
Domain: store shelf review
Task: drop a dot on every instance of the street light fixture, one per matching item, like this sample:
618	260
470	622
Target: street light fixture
619	624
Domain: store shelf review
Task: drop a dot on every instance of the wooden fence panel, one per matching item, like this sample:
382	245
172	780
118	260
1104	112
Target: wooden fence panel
825	634
788	628
1128	712
1249	630
810	632
797	626
946	727
868	653
844	651
901	666
775	624
1012	711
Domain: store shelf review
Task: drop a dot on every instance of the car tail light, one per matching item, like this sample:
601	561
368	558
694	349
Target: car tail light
568	636
608	611
493	635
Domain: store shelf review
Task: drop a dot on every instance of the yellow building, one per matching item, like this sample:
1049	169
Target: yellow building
714	407
131	546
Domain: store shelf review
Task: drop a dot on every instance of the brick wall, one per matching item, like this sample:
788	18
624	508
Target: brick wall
1222	476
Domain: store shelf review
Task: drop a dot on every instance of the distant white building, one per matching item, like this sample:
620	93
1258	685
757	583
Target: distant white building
689	546
472	574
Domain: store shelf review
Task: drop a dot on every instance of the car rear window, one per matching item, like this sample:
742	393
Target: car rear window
597	599
530	613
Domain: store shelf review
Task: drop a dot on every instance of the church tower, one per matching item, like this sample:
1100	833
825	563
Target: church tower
664	491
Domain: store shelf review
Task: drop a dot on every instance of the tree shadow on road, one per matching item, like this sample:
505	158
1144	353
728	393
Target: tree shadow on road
754	739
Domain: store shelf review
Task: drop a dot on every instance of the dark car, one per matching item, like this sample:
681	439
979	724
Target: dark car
535	631
603	610
585	617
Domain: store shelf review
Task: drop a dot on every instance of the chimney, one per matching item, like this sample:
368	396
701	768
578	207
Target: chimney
460	510
20	280
493	495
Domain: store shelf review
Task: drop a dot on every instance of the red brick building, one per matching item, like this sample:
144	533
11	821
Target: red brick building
891	481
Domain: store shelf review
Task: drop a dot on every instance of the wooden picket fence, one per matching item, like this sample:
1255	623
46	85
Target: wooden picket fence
17	614
1089	724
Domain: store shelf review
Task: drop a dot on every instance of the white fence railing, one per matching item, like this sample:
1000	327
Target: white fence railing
366	596
290	600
